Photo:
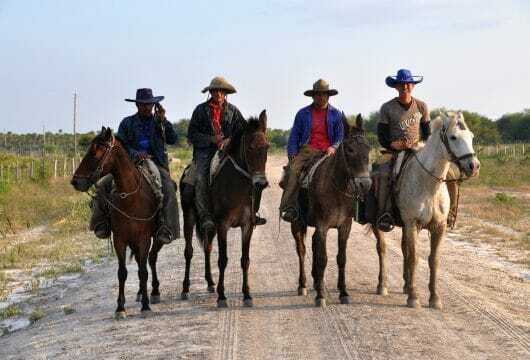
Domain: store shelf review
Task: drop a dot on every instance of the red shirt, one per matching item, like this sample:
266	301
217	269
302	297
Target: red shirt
319	130
216	111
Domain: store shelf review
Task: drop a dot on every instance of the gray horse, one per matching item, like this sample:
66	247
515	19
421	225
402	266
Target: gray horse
423	200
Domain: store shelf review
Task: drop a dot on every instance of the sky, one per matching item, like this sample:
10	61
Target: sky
473	54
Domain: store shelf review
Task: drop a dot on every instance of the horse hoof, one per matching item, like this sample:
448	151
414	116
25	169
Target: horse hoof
320	302
413	303
211	289
120	315
145	313
435	304
222	304
138	297
345	300
302	291
185	296
155	299
248	303
381	290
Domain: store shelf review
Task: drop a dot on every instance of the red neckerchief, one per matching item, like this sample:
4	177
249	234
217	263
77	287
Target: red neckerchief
216	111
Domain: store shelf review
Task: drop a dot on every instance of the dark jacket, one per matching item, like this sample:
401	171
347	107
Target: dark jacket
130	130
301	131
201	132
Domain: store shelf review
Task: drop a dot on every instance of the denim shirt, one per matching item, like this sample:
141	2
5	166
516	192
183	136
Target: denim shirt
301	131
133	130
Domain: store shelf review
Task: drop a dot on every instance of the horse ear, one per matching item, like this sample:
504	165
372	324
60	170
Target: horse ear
102	130
263	120
359	122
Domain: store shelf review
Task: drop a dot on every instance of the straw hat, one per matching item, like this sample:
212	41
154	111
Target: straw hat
220	83
321	86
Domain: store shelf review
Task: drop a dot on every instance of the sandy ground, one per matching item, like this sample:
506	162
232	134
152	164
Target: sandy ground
486	311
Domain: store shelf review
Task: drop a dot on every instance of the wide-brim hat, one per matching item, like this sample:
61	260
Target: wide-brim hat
321	86
145	96
403	76
220	83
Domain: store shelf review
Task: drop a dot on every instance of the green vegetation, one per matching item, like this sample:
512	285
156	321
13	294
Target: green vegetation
68	309
10	311
500	172
36	315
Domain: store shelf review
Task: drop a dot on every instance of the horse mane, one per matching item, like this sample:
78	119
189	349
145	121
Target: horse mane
251	125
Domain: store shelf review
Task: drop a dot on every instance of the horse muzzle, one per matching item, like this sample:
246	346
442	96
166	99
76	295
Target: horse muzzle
470	166
260	181
363	184
80	184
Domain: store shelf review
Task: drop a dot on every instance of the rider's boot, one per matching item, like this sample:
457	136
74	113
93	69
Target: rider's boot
385	220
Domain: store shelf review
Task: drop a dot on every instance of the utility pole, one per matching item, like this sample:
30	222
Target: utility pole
75	125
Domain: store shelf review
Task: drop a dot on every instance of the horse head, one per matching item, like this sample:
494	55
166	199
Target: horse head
356	150
97	162
253	149
458	141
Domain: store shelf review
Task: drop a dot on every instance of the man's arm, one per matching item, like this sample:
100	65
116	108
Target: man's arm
339	131
171	134
123	134
294	137
383	130
425	124
198	139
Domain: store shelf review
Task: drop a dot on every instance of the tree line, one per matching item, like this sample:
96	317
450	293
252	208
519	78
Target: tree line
512	127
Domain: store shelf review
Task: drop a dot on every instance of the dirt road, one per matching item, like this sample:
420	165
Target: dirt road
486	307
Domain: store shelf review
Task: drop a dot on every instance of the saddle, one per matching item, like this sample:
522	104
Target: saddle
216	164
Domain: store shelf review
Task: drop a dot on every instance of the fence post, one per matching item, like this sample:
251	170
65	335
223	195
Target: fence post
17	172
55	168
64	167
73	165
32	169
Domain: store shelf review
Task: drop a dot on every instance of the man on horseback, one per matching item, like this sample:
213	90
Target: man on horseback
211	128
317	131
144	136
404	122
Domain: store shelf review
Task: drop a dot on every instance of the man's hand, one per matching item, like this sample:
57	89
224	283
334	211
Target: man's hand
224	143
330	151
398	145
160	112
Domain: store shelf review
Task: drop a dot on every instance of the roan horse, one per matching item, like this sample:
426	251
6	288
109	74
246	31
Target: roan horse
133	211
233	204
329	203
423	200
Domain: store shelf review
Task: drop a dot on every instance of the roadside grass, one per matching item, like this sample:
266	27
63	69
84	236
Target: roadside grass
9	311
36	315
502	172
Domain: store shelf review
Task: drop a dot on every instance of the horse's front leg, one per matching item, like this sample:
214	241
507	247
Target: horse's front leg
120	247
410	234
382	286
437	236
207	263
155	284
141	255
188	254
299	229
222	262
406	274
344	233
320	261
246	236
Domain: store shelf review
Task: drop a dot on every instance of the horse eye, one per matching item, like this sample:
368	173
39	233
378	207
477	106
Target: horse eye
453	137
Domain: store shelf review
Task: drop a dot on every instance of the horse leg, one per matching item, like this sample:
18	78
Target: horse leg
406	274
246	236
410	233
207	263
344	233
299	229
189	224
320	260
120	248
141	255
155	284
222	262
437	237
382	286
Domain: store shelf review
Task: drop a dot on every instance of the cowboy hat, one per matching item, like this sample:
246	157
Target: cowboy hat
403	76
321	86
145	96
220	83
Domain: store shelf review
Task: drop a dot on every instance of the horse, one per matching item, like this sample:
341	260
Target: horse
133	211
423	201
233	203
342	178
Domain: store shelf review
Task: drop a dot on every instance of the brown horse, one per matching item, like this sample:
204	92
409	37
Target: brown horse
133	211
233	203
329	203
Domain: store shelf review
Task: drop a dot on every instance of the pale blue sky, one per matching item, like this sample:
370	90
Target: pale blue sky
474	55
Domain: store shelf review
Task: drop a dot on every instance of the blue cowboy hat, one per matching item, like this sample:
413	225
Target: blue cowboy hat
403	76
145	96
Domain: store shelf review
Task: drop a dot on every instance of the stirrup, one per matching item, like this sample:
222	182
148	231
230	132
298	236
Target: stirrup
385	222
290	214
102	230
164	236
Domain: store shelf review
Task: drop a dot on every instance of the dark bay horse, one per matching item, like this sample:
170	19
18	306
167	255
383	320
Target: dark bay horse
329	204
233	204
133	211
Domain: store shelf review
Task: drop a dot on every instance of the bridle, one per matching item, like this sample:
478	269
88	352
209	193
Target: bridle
96	174
452	158
353	184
